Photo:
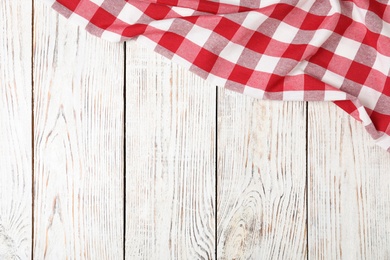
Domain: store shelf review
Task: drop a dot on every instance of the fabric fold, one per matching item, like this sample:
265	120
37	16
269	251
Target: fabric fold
325	50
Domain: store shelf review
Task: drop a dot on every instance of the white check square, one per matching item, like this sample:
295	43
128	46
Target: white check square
347	48
98	2
386	27
297	95
194	35
381	63
333	79
358	14
130	14
319	37
267	64
183	11
232	52
332	95
369	97
285	33
253	20
163	25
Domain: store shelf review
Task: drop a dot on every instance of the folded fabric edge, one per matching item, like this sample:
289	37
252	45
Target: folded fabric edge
381	139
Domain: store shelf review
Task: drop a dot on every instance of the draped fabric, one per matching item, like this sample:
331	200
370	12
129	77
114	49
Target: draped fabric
308	50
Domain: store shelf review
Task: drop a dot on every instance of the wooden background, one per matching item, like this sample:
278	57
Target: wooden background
109	151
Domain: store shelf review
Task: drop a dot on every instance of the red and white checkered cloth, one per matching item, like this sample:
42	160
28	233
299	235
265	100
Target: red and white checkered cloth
324	50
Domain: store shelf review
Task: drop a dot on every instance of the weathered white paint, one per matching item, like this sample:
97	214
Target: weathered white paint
349	188
174	160
261	178
15	130
170	150
78	109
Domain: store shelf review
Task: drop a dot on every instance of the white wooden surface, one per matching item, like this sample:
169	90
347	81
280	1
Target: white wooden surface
261	178
78	142
170	160
15	130
128	156
348	189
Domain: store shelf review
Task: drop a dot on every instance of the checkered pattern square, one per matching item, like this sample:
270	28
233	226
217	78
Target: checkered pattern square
283	50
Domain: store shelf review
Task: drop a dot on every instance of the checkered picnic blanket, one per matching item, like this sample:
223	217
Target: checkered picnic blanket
309	50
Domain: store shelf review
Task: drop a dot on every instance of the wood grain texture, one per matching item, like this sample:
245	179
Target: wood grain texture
349	188
261	178
15	130
78	142
174	160
170	150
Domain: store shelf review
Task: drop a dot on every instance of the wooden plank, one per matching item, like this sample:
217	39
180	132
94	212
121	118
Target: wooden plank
78	142
349	188
261	178
15	130
170	150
